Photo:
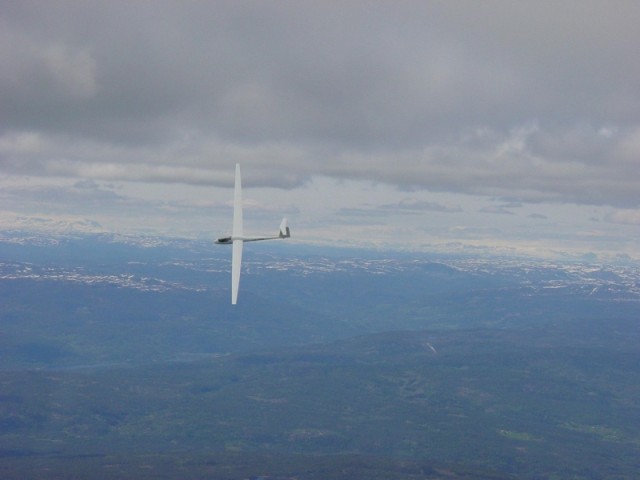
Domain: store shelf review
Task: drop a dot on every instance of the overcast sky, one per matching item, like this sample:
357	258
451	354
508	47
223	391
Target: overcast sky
435	125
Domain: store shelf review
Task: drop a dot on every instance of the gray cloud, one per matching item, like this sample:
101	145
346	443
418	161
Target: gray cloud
84	196
625	217
417	206
538	101
497	209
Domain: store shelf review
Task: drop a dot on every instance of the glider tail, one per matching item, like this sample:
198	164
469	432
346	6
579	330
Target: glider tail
284	229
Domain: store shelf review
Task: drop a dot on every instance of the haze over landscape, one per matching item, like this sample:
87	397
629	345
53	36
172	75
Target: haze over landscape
123	358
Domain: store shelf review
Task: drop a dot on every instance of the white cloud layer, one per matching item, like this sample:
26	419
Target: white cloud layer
532	102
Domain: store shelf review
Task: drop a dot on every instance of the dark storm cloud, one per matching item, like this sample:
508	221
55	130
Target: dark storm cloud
537	101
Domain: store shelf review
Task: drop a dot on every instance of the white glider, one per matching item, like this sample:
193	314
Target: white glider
238	238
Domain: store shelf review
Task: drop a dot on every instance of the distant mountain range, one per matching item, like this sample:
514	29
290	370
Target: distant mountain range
614	279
